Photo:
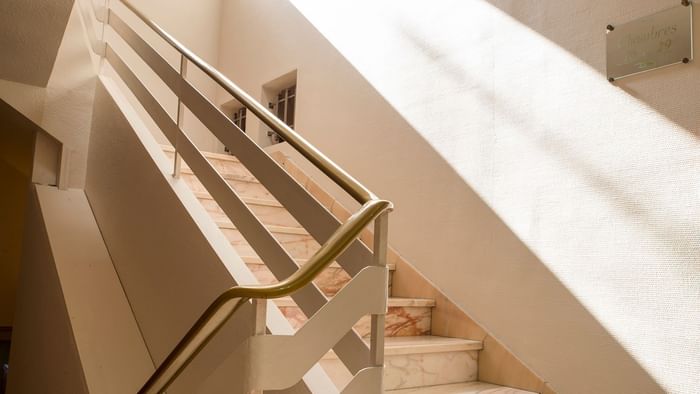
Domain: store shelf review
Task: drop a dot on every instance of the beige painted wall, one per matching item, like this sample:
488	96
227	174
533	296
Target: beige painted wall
16	152
29	52
64	106
553	207
74	332
43	356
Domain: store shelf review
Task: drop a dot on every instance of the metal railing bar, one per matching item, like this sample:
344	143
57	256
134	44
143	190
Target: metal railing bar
162	119
153	59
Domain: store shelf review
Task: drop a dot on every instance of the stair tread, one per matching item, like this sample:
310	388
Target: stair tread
272	227
210	155
428	344
257	260
393	302
422	344
462	388
225	175
247	200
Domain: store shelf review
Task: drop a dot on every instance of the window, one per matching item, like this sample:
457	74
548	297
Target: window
239	118
284	107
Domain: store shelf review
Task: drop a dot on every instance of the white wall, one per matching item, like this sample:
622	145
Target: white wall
555	208
64	107
29	52
197	26
74	332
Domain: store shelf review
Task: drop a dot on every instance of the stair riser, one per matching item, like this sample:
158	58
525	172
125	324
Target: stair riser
399	321
223	166
416	370
299	246
272	215
330	281
234	168
429	369
244	189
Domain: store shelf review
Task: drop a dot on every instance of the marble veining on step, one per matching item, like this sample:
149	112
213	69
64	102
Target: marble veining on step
428	369
462	388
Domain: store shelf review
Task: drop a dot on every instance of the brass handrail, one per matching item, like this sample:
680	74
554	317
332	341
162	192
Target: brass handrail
228	302
358	191
214	317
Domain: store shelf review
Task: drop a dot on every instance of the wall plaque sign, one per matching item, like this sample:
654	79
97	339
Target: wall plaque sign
650	42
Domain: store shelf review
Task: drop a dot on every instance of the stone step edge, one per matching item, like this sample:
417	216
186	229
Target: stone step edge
397	346
462	388
247	200
209	155
226	175
271	227
255	260
394	302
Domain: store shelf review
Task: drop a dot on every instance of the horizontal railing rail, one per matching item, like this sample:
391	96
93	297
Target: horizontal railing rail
358	191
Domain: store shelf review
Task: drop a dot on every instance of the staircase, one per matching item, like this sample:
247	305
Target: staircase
415	360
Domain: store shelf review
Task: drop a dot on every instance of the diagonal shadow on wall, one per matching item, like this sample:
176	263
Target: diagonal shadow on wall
579	28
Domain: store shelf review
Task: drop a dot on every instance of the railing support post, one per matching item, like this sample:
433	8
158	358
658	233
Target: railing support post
103	16
180	117
259	324
376	349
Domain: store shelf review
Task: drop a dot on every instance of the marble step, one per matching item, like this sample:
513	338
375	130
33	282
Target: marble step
240	179
420	361
405	317
296	241
331	280
226	164
267	211
462	388
246	187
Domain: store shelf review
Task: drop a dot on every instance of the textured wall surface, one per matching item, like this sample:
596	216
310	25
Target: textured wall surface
63	108
62	105
553	207
30	35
